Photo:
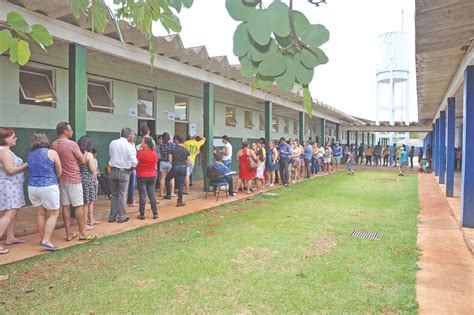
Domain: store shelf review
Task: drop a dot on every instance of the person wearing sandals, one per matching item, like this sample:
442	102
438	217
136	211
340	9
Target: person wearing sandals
43	188
146	176
70	182
89	187
11	187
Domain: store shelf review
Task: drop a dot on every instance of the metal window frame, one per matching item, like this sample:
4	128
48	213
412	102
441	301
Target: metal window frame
106	90
52	85
154	104
233	122
251	125
187	108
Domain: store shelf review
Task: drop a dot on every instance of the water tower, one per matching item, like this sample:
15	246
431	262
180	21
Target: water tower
392	94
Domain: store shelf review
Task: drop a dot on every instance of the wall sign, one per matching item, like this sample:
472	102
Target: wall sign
132	112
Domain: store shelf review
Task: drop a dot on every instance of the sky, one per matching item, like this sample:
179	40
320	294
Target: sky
348	81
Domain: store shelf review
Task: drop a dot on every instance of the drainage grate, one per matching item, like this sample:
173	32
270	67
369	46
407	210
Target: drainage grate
366	235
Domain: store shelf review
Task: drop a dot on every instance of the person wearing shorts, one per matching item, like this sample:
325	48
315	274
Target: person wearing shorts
70	184
165	165
337	153
43	191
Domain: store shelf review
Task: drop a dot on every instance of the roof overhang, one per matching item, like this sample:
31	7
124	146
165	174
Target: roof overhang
444	48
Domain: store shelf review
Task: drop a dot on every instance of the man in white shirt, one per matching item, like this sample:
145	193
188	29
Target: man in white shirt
227	152
321	154
123	158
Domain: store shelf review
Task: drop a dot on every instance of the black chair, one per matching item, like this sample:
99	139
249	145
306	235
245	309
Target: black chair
217	182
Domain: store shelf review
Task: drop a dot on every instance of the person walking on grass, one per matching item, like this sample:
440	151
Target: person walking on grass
89	187
179	158
403	160
146	176
123	159
70	182
349	162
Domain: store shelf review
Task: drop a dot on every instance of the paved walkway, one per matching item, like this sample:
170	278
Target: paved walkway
445	282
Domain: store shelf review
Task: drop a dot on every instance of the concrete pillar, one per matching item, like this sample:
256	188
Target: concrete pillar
301	122
467	184
348	137
208	103
450	147
268	121
323	132
337	133
436	166
77	89
442	146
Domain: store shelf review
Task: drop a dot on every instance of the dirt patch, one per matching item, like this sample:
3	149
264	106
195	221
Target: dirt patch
253	255
212	225
371	286
390	310
322	247
145	283
248	204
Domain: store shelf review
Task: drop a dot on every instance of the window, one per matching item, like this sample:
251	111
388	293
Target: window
99	96
261	119
275	124
37	86
181	108
248	119
230	120
296	127
286	127
146	103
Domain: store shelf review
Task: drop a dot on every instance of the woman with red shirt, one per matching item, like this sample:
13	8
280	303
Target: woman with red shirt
146	176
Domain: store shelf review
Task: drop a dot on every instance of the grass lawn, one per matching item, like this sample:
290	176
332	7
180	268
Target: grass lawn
285	253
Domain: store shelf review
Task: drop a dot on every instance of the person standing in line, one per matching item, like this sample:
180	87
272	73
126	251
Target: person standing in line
328	159
395	155
165	165
284	152
386	154
322	158
43	191
179	158
193	146
337	153
360	154
307	156
123	158
89	186
11	187
261	154
377	154
272	163
246	173
159	141
132	182
70	182
315	159
411	154
403	160
368	155
227	152
458	158
420	157
146	176
349	163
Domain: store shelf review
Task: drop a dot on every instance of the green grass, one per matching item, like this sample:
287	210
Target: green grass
290	253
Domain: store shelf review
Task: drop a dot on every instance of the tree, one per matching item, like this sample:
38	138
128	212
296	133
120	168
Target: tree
277	44
274	44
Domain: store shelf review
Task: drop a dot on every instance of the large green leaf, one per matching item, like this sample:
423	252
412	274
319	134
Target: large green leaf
302	74
260	27
315	36
18	22
273	65
175	4
262	82
283	41
247	68
170	21
41	35
99	17
280	22
257	53
79	5
239	10
14	50
286	81
309	59
5	40
23	52
241	40
307	101
301	22
187	3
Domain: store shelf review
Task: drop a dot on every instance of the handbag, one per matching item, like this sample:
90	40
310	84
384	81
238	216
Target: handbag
251	163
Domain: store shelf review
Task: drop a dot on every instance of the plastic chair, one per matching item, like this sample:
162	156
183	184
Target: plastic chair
217	182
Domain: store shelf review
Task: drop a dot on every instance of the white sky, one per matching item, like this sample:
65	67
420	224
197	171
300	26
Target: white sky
347	82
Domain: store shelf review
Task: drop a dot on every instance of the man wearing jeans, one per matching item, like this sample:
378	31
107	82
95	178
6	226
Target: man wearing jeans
123	158
179	158
284	152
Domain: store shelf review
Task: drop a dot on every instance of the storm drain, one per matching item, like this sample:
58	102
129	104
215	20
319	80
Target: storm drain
366	235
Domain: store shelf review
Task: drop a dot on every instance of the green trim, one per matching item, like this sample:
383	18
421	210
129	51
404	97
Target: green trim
323	132
301	122
268	120
209	114
77	89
